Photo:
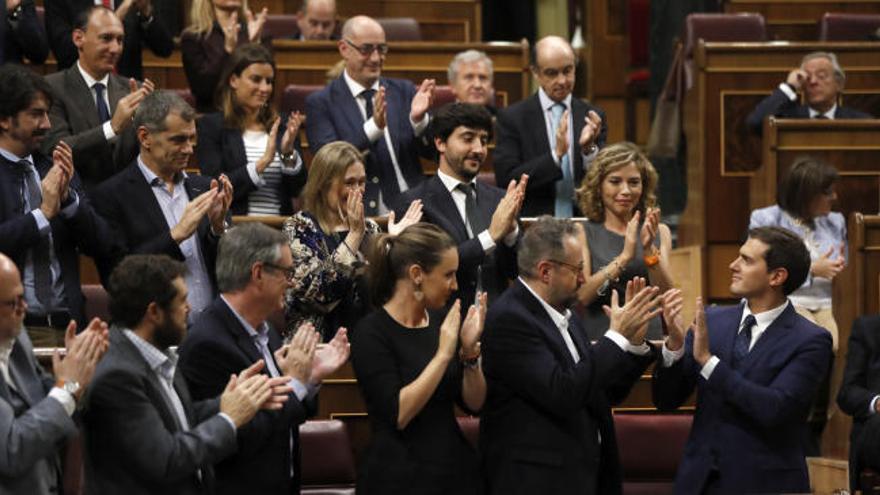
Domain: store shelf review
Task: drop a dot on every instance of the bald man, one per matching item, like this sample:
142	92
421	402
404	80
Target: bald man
552	136
35	409
316	21
384	116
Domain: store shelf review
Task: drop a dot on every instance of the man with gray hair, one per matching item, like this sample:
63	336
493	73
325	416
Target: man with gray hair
821	79
154	207
470	76
254	270
542	371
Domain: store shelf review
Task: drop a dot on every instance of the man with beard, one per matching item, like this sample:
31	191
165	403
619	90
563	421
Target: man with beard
481	218
45	219
144	433
546	426
154	207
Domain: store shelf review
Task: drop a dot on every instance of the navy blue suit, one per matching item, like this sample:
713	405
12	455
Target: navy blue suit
750	419
85	232
334	116
540	426
779	105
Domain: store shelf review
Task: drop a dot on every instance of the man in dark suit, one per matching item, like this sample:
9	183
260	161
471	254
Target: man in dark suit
142	23
821	79
46	220
254	269
92	107
756	367
860	394
552	137
546	426
144	433
36	409
154	207
481	218
383	116
22	35
316	21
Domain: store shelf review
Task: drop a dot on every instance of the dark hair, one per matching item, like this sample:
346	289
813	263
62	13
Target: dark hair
243	57
20	87
390	256
543	240
454	115
139	280
241	247
806	179
787	250
81	21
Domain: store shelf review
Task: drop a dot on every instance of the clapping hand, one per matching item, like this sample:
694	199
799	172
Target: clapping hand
828	267
413	215
255	24
472	328
421	102
507	212
590	132
630	320
701	335
294	122
673	304
329	357
650	229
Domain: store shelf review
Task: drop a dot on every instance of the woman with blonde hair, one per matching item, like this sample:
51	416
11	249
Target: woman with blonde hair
327	239
622	237
216	28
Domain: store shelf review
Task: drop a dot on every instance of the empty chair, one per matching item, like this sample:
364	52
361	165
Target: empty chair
848	27
651	447
400	28
294	97
722	27
327	460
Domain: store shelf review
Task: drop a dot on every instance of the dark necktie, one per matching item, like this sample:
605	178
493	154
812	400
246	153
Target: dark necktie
821	116
474	219
31	199
103	111
743	339
368	94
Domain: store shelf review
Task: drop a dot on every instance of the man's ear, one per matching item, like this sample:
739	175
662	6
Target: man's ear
5	124
78	38
778	276
439	144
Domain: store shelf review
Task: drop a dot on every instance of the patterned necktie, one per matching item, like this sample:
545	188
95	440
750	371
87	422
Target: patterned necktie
743	339
103	111
31	199
565	187
474	219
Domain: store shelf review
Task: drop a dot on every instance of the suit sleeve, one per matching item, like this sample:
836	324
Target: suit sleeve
93	234
30	35
510	161
855	397
213	159
59	27
18	234
672	386
32	436
620	388
774	104
84	144
320	129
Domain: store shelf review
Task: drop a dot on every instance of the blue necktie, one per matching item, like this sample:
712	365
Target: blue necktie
743	339
565	187
103	111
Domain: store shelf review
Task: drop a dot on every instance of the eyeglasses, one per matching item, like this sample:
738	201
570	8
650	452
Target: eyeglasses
576	269
289	272
367	49
16	303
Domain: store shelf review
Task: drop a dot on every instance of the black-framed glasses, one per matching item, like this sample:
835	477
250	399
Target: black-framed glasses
367	49
577	269
16	303
288	271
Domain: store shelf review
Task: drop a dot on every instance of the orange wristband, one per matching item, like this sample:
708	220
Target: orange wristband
651	260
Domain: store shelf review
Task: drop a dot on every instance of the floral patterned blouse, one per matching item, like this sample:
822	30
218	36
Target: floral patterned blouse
328	271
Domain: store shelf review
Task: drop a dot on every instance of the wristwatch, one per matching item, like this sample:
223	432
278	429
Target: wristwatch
69	386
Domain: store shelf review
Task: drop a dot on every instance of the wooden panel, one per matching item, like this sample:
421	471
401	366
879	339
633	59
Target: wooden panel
719	257
607	56
828	476
798	20
686	268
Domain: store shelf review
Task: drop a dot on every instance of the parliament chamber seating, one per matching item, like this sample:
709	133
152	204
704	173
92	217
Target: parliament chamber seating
280	25
722	27
97	302
400	28
848	27
294	97
650	446
328	466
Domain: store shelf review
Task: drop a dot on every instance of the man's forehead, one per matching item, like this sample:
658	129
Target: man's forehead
463	129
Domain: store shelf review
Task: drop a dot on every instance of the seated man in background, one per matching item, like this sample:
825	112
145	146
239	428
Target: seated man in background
35	409
470	76
821	79
316	21
21	34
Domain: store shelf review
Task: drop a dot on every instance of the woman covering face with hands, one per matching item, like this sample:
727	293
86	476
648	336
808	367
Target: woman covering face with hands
413	369
327	239
623	237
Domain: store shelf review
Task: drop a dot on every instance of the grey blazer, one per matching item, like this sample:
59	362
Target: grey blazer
74	119
134	444
32	426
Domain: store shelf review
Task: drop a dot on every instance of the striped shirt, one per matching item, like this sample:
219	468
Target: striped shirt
265	200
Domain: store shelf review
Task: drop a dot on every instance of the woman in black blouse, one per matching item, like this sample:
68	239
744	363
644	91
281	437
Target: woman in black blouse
412	370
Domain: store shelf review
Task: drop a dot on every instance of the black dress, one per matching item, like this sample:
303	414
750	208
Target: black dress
430	455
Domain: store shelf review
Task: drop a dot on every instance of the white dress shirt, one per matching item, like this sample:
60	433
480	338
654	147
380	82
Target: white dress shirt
90	83
547	108
785	88
459	198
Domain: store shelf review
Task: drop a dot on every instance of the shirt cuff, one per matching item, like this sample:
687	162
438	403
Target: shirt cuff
873	404
621	341
671	357
588	159
294	169
785	88
256	179
372	130
108	131
486	241
65	399
70	210
510	239
709	367
299	389
419	127
42	221
228	420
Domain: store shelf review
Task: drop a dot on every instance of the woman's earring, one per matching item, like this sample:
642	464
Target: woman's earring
419	295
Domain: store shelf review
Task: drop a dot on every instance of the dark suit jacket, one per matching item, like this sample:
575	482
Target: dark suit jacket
861	383
134	442
522	147
24	38
750	419
61	15
33	426
221	151
84	233
215	347
779	105
334	116
74	119
127	202
540	426
438	208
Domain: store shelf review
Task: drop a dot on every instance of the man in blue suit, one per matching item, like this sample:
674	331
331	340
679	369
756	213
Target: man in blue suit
384	116
756	367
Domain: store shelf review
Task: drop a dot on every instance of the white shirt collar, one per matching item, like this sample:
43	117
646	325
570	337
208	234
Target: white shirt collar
547	102
451	182
90	81
150	176
355	87
6	351
830	113
559	319
12	157
763	319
